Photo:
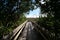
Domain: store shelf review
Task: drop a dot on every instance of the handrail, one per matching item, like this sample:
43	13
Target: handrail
39	30
17	31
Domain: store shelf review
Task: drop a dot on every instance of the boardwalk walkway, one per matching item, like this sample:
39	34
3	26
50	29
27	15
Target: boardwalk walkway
29	33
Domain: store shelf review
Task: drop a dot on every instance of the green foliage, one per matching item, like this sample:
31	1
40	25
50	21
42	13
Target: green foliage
48	24
11	11
6	30
52	22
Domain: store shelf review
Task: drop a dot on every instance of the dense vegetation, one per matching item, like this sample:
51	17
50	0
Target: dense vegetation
4	30
52	21
11	14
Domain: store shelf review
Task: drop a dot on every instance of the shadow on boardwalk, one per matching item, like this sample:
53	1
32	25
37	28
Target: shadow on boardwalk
34	35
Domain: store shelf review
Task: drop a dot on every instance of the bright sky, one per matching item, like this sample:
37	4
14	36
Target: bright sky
34	14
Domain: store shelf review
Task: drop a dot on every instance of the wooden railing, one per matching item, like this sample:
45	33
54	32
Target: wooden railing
39	29
17	31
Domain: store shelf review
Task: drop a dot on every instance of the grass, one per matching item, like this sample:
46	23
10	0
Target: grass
7	30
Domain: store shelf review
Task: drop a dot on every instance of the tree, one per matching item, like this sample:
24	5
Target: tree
51	7
10	13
